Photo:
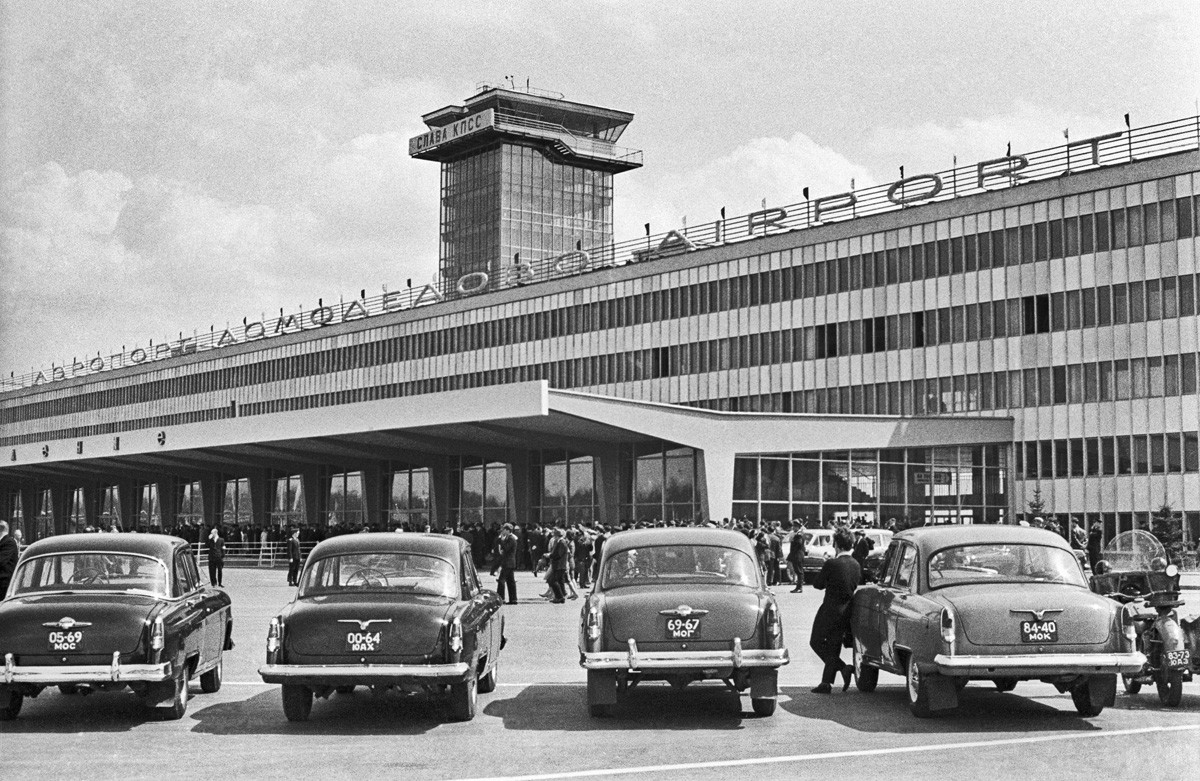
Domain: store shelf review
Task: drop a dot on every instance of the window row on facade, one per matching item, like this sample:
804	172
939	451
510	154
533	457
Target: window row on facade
1137	454
1148	300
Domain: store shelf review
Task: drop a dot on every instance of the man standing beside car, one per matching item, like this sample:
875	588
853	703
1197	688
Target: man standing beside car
216	556
560	555
506	564
839	577
9	554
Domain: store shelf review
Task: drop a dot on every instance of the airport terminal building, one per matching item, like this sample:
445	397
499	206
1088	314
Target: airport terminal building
944	348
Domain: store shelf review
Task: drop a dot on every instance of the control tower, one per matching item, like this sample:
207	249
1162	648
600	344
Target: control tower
526	175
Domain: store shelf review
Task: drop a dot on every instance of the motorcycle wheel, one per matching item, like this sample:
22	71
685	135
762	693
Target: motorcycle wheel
1132	685
1170	687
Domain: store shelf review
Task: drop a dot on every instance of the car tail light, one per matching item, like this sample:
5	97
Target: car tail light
773	624
456	635
593	623
948	632
1129	623
158	635
274	634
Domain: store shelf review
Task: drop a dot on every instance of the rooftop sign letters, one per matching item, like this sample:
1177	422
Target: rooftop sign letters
452	132
914	190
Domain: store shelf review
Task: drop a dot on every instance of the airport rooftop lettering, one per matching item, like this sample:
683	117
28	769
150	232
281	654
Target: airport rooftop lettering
998	173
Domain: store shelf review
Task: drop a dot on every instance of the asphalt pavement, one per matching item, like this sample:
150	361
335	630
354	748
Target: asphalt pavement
535	725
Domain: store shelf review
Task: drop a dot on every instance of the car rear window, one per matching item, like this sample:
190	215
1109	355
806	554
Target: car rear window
1004	563
673	564
91	571
397	572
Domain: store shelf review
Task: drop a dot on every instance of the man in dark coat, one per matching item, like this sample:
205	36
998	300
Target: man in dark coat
505	562
1095	542
862	547
216	556
797	549
293	548
9	553
839	577
560	557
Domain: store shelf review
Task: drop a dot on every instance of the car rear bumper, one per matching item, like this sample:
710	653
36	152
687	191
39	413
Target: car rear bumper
115	672
633	659
360	674
1039	665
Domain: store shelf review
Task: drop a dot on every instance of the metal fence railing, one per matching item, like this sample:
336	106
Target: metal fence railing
252	554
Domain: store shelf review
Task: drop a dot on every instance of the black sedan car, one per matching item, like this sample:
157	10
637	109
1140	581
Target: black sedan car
680	605
386	611
89	612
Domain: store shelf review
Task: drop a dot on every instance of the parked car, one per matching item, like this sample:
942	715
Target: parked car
88	612
882	539
387	611
818	547
989	603
680	605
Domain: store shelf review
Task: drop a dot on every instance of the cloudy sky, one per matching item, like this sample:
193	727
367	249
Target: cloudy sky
170	165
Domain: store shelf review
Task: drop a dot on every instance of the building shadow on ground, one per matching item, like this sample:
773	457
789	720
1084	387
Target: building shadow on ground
649	706
357	713
981	710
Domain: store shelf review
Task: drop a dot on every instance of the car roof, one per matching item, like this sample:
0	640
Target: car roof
679	535
931	538
445	546
160	546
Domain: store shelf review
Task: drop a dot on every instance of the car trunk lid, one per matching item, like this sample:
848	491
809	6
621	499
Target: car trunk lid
74	625
637	612
996	615
340	626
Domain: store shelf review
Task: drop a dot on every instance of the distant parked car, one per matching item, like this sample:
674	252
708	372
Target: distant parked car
994	603
387	611
818	547
88	612
882	539
680	605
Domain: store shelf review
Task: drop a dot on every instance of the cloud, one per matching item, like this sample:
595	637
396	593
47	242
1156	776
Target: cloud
775	169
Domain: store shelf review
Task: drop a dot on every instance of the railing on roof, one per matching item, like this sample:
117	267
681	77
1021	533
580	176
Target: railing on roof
1073	157
592	147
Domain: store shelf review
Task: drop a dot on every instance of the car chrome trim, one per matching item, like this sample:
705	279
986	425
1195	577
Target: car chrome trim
683	611
1037	614
114	671
1040	664
658	660
362	625
277	673
66	622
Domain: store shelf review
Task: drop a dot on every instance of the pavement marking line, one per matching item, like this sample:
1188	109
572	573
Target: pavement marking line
502	685
841	754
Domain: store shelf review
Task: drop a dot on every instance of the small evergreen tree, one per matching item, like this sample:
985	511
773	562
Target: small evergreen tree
1167	526
1037	509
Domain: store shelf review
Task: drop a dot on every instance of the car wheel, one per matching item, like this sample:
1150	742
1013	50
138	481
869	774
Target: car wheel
1005	684
1170	687
463	698
297	702
763	706
68	688
1132	685
600	711
210	681
918	690
347	689
866	677
487	684
1081	695
10	704
178	706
